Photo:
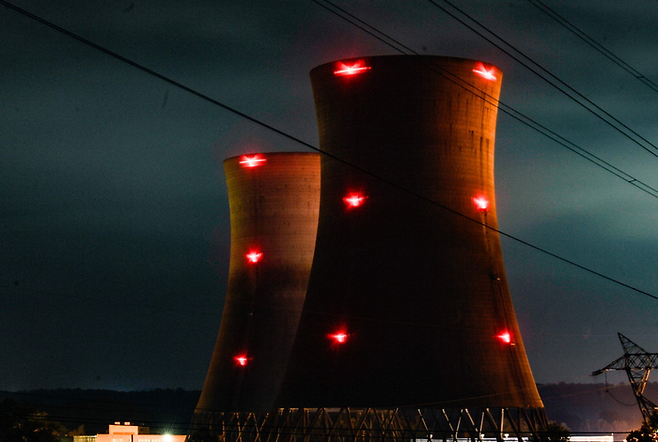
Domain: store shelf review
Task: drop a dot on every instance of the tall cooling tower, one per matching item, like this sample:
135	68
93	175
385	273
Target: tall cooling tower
408	302
274	203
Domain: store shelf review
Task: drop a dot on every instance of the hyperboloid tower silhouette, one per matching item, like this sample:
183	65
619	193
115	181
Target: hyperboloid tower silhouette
408	300
273	201
408	328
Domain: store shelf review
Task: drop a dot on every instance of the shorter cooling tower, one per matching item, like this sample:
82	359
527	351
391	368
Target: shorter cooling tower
408	303
274	200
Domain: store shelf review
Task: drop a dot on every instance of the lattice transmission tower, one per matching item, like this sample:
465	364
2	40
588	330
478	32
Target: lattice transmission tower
637	363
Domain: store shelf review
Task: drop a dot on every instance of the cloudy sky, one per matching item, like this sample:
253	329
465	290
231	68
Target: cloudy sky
114	228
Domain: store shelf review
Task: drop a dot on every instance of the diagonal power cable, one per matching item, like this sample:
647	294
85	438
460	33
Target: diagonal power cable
510	111
594	44
561	86
303	143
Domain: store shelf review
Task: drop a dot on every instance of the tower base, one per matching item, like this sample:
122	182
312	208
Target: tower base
369	425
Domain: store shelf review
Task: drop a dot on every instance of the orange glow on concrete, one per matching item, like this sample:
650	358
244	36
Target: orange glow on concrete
481	202
487	74
252	160
354	199
357	67
254	256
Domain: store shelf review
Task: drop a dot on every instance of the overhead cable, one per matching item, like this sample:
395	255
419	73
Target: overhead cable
522	118
594	44
303	143
590	106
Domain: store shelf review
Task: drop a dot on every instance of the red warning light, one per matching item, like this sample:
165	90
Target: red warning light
254	256
487	74
481	202
354	200
241	360
505	337
357	67
339	337
252	160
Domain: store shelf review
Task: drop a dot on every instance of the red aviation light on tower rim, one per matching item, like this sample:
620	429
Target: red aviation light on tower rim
254	256
487	74
345	69
481	202
505	337
354	199
252	160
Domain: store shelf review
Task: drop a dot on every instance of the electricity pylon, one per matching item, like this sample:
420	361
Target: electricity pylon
637	363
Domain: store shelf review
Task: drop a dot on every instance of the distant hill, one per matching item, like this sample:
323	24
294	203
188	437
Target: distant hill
162	410
593	408
584	408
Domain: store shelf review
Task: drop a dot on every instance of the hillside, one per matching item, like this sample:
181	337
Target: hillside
584	408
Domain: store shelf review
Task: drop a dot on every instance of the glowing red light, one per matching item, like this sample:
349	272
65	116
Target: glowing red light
241	360
481	203
254	256
354	200
357	67
339	337
484	73
505	337
252	161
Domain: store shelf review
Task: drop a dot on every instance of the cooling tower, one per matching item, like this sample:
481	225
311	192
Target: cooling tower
408	302
274	203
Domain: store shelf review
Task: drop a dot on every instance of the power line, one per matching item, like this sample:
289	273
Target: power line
395	44
597	108
594	44
299	141
510	111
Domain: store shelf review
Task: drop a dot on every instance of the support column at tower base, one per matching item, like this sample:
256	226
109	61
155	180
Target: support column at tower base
370	425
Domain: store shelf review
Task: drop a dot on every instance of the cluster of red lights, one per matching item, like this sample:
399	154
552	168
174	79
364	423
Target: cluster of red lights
357	199
341	337
252	160
253	256
357	67
487	74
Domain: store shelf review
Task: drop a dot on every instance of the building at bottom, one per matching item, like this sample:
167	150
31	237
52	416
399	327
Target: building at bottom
129	433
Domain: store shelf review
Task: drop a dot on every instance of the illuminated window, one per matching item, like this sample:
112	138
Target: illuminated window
354	199
487	74
241	360
254	256
252	160
481	202
339	337
356	67
506	338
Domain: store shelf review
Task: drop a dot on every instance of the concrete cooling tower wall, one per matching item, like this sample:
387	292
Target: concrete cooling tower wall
274	203
408	302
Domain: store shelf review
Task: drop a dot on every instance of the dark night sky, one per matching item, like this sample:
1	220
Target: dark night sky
114	229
